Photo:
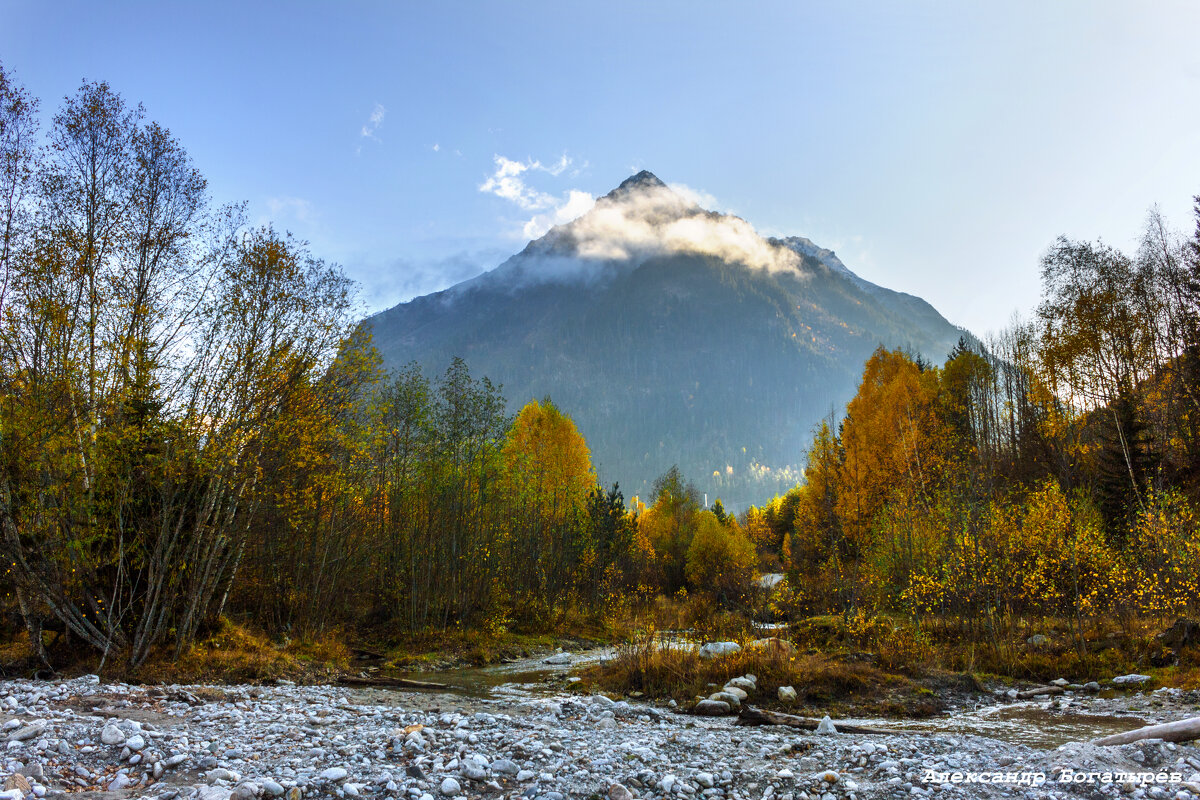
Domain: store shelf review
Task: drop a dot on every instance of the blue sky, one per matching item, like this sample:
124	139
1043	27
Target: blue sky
937	147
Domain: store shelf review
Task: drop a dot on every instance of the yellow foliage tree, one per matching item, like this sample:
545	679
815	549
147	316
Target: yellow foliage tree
720	560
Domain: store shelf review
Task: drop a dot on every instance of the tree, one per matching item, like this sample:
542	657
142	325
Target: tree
548	477
720	560
669	523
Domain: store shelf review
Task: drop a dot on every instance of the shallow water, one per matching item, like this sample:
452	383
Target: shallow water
1031	724
1035	724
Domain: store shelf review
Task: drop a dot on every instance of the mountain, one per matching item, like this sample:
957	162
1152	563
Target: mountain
672	335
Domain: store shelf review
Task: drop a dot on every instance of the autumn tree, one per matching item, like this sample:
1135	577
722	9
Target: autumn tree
720	560
548	478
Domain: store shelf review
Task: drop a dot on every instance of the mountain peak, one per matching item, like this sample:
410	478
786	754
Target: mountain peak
641	182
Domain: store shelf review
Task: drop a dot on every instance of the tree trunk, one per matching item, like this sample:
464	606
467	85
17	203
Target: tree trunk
1184	730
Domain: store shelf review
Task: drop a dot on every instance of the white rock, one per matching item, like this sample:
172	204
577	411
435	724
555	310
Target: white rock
334	774
449	787
737	692
1123	680
747	683
826	726
787	694
112	735
714	649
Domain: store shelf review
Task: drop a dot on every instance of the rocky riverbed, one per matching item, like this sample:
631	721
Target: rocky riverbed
249	742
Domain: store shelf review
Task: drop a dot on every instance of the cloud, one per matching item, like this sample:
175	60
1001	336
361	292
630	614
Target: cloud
284	208
650	220
664	220
508	182
404	278
374	122
577	204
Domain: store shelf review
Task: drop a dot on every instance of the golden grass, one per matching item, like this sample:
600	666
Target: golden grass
821	682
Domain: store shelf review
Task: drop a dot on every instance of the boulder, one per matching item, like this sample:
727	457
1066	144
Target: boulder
712	708
714	649
787	694
1038	640
740	694
747	683
732	700
825	726
1126	680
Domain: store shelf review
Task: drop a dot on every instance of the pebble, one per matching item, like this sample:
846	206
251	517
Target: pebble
322	742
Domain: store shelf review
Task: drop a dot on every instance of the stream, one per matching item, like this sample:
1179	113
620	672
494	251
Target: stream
1040	724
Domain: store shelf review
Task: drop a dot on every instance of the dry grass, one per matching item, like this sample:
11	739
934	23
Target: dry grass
822	683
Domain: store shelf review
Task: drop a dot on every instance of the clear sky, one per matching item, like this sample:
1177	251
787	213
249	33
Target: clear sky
937	147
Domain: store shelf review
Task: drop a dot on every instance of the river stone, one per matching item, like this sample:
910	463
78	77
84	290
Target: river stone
18	782
746	683
619	792
244	791
1063	682
787	694
271	788
740	694
295	793
1120	680
334	774
559	658
826	726
705	779
504	766
714	649
31	731
1091	686
135	742
112	735
732	700
222	774
712	708
449	787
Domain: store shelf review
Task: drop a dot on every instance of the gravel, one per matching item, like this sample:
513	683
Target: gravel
294	742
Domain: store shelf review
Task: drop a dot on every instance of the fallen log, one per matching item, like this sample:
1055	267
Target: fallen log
757	716
1184	730
391	683
1039	692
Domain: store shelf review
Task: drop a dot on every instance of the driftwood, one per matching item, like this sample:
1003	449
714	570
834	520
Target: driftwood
391	683
757	716
1184	730
1043	690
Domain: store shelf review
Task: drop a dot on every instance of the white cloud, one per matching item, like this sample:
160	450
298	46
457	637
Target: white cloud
374	122
577	204
667	220
284	208
437	148
508	182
